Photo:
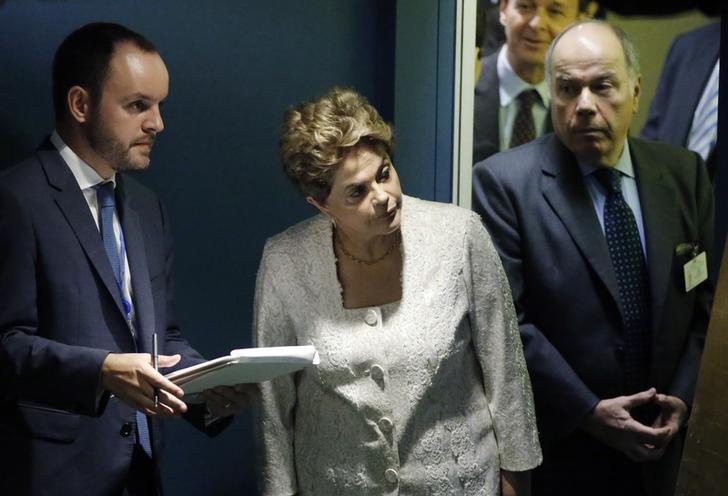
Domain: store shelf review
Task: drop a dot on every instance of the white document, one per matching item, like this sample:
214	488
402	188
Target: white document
247	365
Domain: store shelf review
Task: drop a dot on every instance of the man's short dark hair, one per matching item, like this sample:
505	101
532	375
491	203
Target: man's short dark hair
83	59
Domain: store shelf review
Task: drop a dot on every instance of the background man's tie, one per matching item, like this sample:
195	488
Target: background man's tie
524	129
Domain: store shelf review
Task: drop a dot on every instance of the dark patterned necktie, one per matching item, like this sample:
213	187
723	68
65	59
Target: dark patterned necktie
630	269
524	129
107	206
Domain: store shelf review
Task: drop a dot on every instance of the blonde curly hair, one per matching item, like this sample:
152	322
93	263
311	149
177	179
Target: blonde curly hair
317	135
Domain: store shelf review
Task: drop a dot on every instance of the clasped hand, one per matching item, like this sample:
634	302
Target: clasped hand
131	378
612	423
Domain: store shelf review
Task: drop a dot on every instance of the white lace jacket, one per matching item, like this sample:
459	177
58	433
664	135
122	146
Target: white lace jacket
429	395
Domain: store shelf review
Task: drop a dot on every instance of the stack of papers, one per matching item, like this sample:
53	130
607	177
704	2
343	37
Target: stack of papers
247	365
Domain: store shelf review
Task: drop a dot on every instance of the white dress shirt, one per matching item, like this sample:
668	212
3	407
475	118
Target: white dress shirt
87	179
511	85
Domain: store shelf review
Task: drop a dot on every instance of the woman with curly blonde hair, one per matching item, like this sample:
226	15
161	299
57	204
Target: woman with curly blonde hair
422	386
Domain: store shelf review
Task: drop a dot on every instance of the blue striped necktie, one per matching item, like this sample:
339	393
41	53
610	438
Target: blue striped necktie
630	269
107	206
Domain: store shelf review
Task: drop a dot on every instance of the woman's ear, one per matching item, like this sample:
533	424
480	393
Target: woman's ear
321	206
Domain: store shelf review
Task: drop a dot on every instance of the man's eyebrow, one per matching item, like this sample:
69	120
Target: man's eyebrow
607	75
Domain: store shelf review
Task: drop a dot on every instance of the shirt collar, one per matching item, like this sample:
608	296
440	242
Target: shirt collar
511	85
623	165
86	176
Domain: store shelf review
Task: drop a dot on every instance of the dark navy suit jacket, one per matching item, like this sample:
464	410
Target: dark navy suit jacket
60	315
538	211
686	70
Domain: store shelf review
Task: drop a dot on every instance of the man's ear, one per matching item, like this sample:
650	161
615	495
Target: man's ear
636	93
78	101
589	12
321	206
502	5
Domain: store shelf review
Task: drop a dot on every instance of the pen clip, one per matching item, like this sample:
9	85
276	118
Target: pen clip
155	363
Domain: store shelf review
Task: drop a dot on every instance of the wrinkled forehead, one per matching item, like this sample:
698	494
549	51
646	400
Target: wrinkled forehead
588	46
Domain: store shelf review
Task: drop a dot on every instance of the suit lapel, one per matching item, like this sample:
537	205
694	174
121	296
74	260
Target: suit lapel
548	124
136	255
659	211
72	203
564	189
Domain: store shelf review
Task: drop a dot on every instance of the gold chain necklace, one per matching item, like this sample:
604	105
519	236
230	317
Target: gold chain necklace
395	244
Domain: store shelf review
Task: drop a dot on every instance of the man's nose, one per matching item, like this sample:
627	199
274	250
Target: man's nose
535	22
585	101
154	122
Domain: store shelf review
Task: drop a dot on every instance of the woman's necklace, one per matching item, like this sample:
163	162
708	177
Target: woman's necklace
395	243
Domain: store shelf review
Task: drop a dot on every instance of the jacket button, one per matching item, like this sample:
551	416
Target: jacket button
126	429
371	317
391	476
385	424
619	354
377	372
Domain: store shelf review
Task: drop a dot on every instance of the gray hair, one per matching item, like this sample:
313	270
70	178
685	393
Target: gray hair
630	53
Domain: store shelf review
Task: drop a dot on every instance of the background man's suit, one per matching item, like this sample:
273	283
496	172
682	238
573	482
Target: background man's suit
486	126
60	315
687	67
537	209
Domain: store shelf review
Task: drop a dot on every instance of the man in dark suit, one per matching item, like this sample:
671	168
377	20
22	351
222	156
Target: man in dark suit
684	110
85	283
594	230
511	96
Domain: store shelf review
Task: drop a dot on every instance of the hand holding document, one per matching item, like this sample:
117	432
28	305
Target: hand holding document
247	365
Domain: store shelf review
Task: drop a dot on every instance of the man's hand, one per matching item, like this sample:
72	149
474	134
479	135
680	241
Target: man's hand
131	378
673	414
223	401
612	423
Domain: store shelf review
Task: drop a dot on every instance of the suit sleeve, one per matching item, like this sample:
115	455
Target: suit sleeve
197	414
685	379
33	367
272	326
562	398
655	117
499	351
175	343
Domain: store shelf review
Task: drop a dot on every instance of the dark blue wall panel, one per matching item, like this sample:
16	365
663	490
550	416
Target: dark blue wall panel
424	97
235	66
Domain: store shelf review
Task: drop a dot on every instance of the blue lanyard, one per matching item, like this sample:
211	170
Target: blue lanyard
126	303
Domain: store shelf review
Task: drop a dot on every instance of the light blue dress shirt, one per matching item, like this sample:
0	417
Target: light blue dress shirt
630	192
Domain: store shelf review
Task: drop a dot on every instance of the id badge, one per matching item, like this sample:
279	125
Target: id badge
695	271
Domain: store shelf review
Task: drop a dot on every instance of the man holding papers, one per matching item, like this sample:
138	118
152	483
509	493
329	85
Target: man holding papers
86	281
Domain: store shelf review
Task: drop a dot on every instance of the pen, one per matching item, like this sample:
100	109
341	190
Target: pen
155	362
